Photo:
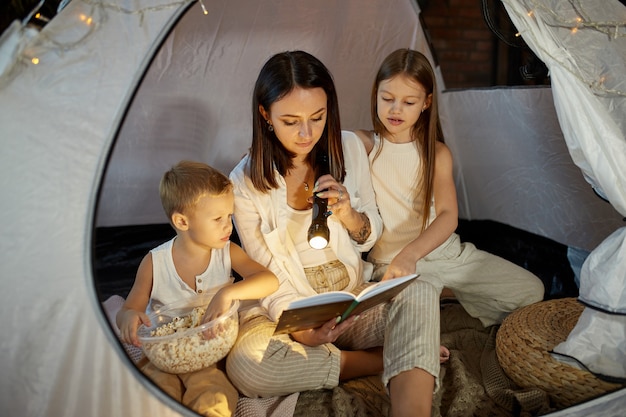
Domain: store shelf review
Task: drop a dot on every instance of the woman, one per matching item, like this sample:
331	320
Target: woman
296	118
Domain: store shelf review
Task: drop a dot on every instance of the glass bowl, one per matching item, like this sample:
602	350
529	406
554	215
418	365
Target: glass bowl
177	342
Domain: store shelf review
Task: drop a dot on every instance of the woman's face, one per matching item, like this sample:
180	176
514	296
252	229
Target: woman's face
299	119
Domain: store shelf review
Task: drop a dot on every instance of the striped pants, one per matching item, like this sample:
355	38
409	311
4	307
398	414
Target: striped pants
263	365
487	286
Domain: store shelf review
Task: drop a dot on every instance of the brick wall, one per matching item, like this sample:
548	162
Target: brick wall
464	45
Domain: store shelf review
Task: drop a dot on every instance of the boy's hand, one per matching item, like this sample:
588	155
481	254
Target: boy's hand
220	303
130	321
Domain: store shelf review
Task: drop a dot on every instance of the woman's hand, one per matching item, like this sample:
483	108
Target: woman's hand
337	195
357	224
327	333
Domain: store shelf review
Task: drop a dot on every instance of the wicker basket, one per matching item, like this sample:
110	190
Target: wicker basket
523	343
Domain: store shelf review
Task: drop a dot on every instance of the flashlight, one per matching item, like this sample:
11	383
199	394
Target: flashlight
318	234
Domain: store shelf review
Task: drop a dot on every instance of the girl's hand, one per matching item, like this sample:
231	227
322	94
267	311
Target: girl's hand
399	267
327	333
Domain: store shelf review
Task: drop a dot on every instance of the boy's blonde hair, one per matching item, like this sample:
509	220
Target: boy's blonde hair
186	182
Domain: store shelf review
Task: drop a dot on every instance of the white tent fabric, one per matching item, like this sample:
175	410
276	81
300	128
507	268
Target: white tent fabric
513	166
59	119
58	122
195	99
194	103
584	46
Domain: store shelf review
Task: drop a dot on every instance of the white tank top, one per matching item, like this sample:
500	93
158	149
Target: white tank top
168	286
394	173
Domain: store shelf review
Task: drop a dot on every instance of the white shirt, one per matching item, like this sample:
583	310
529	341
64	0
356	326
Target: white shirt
261	221
168	286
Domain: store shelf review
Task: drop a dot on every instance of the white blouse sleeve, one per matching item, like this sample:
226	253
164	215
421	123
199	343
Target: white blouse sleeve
359	184
255	219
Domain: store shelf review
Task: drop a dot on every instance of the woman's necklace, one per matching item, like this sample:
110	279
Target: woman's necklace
305	179
298	185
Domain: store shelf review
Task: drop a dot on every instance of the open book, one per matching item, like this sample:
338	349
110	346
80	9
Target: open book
311	312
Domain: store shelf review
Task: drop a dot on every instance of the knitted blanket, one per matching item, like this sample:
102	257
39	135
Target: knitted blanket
471	382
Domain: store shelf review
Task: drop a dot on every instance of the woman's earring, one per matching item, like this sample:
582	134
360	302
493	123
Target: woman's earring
270	127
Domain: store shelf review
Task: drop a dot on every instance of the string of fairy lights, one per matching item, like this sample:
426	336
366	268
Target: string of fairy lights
88	18
576	20
582	20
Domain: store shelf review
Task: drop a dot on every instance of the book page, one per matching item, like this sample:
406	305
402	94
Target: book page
312	312
323	298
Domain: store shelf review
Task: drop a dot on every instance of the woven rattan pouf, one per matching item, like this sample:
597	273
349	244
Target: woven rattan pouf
523	343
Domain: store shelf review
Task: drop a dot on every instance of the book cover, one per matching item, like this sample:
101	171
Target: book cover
313	311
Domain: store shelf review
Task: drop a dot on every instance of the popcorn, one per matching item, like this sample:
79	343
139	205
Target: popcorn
192	351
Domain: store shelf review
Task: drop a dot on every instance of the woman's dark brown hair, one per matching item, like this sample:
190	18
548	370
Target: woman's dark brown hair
279	76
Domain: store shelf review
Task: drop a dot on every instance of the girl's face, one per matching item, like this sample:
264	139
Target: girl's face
298	119
210	222
400	102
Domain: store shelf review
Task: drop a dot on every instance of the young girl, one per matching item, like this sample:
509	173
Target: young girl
411	170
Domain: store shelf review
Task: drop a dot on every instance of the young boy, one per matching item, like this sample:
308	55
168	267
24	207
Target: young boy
199	202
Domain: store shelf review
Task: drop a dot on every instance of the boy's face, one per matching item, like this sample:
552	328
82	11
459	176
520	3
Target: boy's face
210	224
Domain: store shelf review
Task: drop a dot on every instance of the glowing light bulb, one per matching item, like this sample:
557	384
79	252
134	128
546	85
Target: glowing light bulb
318	242
41	17
204	10
35	60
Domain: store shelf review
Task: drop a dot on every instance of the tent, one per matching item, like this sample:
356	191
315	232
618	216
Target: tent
109	94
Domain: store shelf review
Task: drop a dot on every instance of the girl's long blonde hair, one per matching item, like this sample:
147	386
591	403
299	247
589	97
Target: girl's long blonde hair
426	131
